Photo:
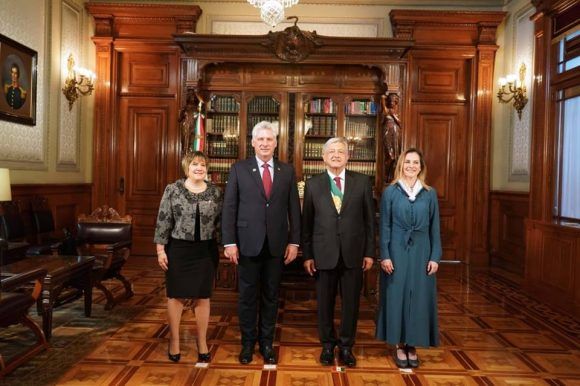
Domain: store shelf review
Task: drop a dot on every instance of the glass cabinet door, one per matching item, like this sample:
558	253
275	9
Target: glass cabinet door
222	133
261	108
360	126
320	124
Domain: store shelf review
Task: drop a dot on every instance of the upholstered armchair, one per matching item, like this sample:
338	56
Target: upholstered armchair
14	231
16	297
43	223
107	236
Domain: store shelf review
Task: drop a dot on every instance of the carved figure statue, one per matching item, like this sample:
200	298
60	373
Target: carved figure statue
187	121
392	135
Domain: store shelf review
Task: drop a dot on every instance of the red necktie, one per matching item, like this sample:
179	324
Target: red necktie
267	180
337	181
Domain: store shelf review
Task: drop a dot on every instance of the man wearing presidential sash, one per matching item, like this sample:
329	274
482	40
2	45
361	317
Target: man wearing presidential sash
338	246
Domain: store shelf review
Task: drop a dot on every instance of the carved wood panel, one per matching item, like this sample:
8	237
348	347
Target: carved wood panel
148	72
508	211
440	132
552	271
148	126
438	79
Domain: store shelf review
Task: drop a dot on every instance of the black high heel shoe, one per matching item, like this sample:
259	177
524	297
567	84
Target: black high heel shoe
413	363
173	357
203	357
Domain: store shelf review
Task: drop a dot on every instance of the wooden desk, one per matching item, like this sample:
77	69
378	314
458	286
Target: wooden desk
63	272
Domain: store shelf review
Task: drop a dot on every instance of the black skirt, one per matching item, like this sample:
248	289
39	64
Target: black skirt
191	268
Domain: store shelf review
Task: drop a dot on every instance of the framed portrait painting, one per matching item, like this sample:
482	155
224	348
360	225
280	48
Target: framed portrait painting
18	77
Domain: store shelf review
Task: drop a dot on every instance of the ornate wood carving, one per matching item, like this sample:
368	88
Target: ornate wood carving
293	45
392	134
105	213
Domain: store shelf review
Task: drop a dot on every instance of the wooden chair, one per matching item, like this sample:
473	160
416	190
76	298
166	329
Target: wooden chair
107	236
14	306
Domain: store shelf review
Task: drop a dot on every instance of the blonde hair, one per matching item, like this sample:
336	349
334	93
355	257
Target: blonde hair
401	162
190	156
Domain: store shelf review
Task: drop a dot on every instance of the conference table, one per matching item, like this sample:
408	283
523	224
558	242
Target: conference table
64	272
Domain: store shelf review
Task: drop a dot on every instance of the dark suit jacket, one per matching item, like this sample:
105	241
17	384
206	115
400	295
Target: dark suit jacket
327	233
248	217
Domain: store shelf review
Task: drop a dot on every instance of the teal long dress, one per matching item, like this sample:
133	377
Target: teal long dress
409	236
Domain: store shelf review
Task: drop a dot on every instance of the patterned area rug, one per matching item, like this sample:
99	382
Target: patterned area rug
74	336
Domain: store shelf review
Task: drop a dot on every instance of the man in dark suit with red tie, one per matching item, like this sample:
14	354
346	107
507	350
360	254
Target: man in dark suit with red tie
260	233
338	244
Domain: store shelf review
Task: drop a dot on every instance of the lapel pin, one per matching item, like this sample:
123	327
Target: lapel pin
253	170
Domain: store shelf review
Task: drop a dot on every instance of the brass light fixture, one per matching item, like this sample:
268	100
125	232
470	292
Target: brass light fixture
79	82
516	90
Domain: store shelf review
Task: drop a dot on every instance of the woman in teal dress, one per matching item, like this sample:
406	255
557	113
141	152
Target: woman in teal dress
410	253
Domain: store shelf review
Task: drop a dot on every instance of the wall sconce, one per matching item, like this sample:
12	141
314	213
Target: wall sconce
79	82
516	91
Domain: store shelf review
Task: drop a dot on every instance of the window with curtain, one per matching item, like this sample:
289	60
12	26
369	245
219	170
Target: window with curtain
567	197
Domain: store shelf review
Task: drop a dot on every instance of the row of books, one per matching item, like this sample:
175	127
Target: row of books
315	167
322	126
264	104
361	107
321	106
361	152
220	165
224	104
221	123
312	167
222	149
360	129
313	149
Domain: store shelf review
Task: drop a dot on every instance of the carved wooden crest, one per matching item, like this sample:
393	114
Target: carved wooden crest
293	45
105	214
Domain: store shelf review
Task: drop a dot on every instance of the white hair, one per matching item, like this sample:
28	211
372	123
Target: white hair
334	140
265	125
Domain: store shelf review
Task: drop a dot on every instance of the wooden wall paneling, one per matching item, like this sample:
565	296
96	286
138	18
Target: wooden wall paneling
452	66
552	271
138	94
507	230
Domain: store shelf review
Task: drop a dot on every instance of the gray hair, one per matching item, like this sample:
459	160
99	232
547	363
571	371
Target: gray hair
265	125
334	140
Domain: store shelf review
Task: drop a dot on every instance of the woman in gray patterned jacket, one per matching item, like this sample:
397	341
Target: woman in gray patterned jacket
189	215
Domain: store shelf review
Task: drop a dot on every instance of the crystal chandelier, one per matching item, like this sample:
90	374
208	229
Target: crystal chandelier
272	11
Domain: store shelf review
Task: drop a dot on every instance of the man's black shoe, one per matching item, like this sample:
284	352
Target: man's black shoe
327	356
268	354
346	357
246	355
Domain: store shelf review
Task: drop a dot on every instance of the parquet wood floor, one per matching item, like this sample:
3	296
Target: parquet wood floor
492	333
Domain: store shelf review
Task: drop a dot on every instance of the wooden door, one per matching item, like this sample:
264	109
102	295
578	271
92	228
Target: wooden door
439	128
148	145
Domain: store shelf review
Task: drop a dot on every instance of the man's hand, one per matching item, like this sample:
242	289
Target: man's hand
367	263
232	253
290	254
309	267
387	266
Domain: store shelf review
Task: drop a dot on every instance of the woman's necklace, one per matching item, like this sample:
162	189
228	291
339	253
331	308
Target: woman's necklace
195	188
